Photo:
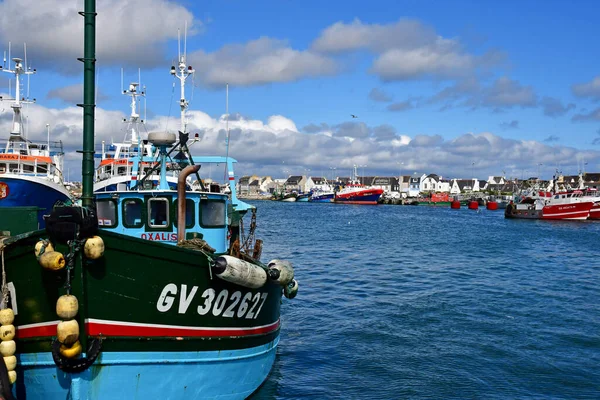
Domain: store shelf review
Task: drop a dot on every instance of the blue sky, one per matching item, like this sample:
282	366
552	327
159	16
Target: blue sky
455	88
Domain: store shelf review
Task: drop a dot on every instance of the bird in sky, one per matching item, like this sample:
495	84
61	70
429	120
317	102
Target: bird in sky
353	116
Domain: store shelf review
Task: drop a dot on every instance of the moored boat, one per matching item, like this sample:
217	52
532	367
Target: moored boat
322	197
30	172
115	171
356	193
303	197
545	205
165	299
289	197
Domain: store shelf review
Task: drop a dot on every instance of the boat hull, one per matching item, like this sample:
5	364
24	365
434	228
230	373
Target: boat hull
595	212
32	192
165	323
571	211
147	375
515	211
323	198
367	197
435	203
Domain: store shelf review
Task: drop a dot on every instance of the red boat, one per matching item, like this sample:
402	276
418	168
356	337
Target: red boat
356	193
593	195
545	205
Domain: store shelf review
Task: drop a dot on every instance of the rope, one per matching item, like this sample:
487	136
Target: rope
203	247
5	292
196	244
74	248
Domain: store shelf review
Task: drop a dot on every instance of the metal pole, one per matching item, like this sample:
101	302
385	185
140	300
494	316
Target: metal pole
89	88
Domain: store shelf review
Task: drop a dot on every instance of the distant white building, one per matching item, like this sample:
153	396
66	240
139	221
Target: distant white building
414	187
434	183
461	186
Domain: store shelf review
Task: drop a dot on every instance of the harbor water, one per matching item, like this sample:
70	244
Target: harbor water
417	302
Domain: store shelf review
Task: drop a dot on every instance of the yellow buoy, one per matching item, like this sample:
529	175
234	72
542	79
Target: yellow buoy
67	306
7	348
45	244
52	260
7	332
12	376
67	332
11	362
7	316
71	352
94	248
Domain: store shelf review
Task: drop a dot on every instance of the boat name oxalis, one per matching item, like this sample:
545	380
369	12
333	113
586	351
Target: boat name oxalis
171	237
241	306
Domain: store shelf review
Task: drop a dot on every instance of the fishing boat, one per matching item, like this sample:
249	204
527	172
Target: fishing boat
356	193
115	169
30	172
324	195
436	199
141	293
593	195
546	205
303	197
289	197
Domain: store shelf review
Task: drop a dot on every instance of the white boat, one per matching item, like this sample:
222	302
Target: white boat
30	172
115	171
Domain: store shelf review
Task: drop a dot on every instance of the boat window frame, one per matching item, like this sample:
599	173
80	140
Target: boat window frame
143	212
176	213
115	222
200	219
170	214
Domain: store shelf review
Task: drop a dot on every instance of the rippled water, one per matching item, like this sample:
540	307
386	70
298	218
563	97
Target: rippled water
417	302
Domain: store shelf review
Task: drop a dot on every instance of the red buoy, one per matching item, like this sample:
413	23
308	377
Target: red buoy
455	205
473	205
491	205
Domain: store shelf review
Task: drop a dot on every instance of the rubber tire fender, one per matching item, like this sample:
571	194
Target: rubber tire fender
77	364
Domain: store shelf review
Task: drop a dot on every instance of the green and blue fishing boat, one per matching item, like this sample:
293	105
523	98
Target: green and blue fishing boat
145	292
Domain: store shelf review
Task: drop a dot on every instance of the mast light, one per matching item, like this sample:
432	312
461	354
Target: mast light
172	70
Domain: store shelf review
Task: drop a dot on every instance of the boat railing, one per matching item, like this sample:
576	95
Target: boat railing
27	147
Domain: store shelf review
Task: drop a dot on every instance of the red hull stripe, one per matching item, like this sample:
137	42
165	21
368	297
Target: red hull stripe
96	327
36	330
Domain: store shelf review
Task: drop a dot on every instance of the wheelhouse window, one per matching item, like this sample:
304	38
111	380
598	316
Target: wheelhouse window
107	213
158	213
212	213
190	219
132	213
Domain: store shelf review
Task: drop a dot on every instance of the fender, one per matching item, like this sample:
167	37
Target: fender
77	364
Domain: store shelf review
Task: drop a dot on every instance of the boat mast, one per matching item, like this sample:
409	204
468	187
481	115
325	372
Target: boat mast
89	68
16	133
184	72
134	117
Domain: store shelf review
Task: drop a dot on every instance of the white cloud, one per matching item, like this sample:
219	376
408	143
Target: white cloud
260	61
268	147
130	32
407	49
